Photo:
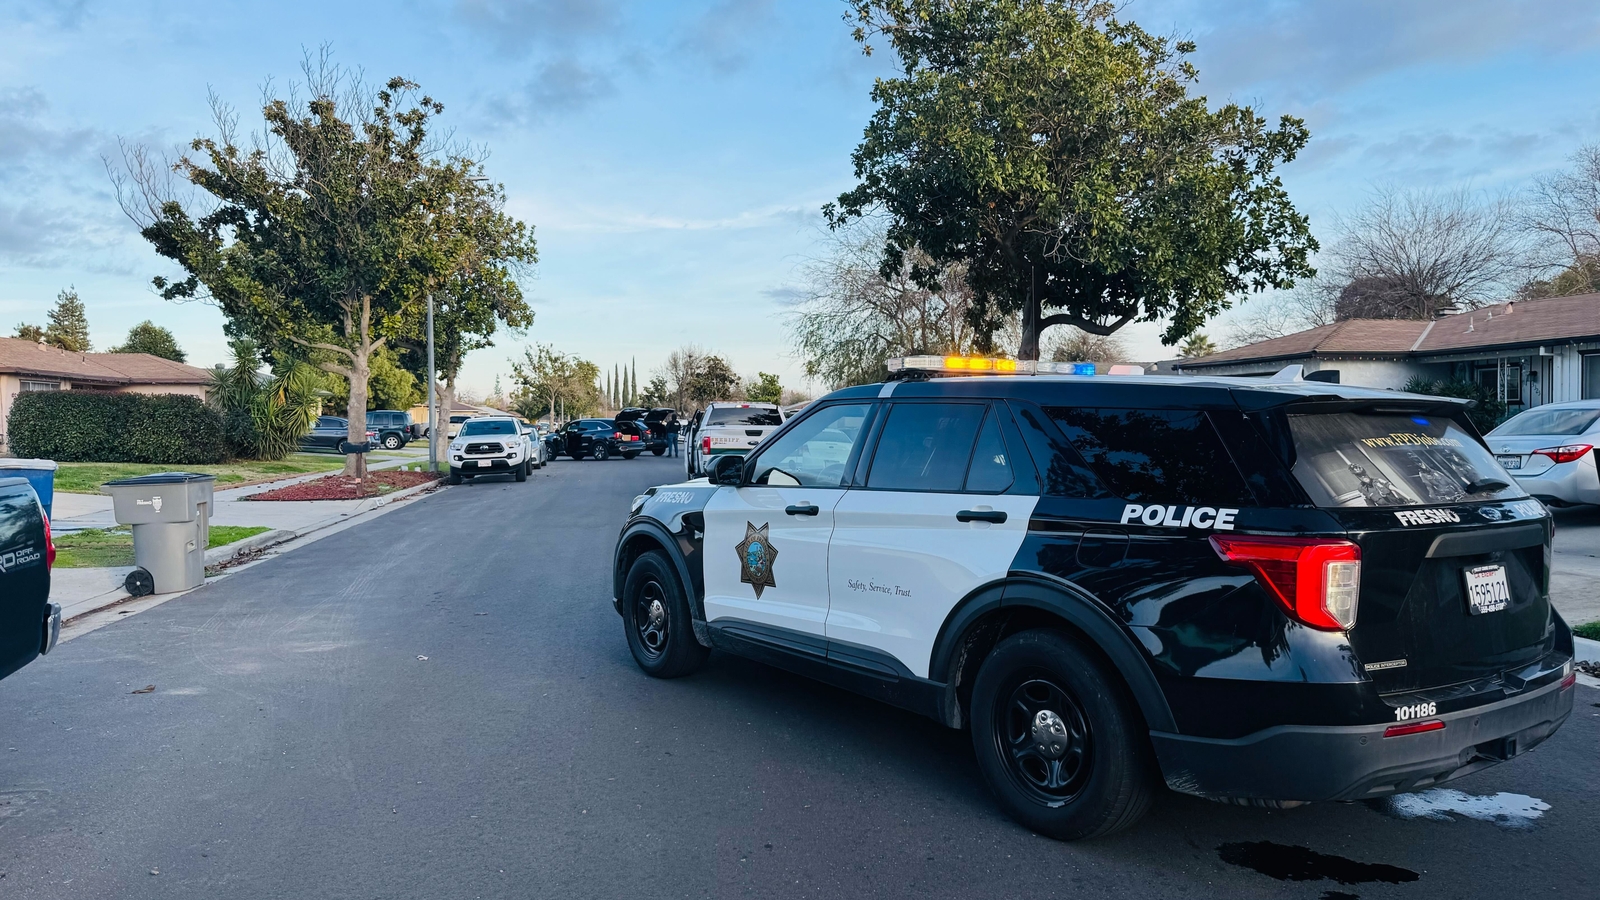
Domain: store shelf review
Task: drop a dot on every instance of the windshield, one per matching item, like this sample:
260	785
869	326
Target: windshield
1549	421
768	417
1355	459
492	426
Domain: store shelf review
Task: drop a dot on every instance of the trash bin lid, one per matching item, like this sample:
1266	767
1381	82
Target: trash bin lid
48	465
161	478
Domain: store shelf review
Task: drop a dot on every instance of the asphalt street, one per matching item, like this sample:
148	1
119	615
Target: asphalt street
440	703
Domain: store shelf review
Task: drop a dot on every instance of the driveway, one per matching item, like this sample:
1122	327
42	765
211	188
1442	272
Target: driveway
1575	564
440	703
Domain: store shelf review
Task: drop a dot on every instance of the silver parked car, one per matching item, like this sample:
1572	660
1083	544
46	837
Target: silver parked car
1549	450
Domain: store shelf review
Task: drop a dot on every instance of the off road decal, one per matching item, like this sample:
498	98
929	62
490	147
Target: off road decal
1180	516
756	556
16	559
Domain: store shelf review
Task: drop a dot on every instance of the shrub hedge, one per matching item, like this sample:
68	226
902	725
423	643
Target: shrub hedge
88	426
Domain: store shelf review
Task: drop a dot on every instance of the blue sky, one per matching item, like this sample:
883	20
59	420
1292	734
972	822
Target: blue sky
673	155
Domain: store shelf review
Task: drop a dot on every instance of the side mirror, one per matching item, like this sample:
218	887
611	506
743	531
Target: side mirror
727	470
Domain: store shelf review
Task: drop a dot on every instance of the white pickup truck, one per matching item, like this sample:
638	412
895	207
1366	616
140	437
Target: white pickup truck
726	427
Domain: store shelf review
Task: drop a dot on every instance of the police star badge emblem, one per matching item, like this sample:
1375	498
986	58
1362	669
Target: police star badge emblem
756	555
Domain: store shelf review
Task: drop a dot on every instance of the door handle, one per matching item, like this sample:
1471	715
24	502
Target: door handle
981	515
802	509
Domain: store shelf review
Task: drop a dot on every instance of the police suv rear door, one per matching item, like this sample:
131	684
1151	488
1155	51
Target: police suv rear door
942	510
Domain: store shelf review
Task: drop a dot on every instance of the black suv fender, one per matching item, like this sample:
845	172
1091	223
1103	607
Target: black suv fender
1026	600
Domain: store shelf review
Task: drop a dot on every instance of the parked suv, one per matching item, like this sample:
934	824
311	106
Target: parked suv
490	445
728	428
653	425
29	622
602	439
393	427
1262	591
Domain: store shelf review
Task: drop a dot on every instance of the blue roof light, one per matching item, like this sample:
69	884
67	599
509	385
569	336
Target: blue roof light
1083	368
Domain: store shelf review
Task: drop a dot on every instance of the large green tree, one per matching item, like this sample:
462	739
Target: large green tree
1054	151
328	233
69	323
148	337
549	382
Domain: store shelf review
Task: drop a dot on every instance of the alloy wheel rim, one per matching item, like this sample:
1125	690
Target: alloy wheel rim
1044	739
650	618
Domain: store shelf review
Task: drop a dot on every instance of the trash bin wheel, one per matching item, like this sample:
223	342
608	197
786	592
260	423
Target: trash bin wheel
139	583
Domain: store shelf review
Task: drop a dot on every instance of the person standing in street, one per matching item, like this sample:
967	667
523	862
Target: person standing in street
672	435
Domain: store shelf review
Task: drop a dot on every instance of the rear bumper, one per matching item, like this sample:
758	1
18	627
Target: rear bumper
1566	483
52	628
1315	763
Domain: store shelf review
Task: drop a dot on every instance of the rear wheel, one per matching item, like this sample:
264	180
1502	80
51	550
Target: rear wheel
658	450
626	455
1057	739
392	442
601	452
656	617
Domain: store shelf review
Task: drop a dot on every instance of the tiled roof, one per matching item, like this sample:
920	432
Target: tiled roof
1548	321
19	357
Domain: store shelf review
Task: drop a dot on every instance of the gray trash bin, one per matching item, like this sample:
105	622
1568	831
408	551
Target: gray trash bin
171	517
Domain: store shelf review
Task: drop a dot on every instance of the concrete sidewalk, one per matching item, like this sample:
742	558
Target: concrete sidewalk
83	590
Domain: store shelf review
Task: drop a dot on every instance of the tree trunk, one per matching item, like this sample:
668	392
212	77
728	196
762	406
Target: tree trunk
1030	318
441	426
355	464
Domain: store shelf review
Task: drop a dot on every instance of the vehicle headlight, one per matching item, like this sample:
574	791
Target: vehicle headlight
455	445
638	504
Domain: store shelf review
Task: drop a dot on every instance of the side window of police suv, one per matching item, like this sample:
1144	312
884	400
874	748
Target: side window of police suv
814	452
941	448
1155	456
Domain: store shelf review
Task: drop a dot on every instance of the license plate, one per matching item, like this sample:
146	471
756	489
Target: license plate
1487	590
1509	462
482	462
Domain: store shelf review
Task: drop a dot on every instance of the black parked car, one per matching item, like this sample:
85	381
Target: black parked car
327	434
603	439
653	425
394	428
29	622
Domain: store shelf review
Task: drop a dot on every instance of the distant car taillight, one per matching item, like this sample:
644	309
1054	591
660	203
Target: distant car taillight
49	543
1565	453
1316	580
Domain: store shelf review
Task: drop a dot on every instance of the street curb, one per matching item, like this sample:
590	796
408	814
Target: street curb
1585	650
218	555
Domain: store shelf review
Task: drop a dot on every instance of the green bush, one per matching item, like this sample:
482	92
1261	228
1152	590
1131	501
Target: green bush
84	426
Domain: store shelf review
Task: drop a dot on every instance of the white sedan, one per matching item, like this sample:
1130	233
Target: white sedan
1549	450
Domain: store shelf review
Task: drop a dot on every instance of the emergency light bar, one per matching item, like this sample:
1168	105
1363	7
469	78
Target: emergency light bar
935	365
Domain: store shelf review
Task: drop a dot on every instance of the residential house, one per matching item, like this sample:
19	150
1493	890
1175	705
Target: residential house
27	366
1526	353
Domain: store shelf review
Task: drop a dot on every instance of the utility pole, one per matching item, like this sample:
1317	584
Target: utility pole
433	446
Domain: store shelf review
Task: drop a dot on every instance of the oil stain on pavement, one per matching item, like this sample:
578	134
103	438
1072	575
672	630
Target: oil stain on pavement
1295	863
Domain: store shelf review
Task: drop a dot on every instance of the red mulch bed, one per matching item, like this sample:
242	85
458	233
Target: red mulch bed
338	487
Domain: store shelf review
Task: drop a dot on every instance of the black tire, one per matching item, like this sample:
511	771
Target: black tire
658	450
1083	771
630	456
601	452
455	475
522	471
392	442
655	617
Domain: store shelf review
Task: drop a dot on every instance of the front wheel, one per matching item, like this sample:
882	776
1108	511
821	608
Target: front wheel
658	450
1058	740
656	617
629	455
455	475
522	471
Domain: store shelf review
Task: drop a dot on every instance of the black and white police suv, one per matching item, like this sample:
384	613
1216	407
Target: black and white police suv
1261	591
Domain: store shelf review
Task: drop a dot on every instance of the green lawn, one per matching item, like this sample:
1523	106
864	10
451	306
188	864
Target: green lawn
114	547
1590	630
86	478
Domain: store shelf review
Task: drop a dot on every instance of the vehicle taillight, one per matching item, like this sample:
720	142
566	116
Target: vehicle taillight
705	444
49	543
1565	453
1316	580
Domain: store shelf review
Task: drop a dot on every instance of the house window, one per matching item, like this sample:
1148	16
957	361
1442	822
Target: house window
1513	382
1501	381
1591	376
41	385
